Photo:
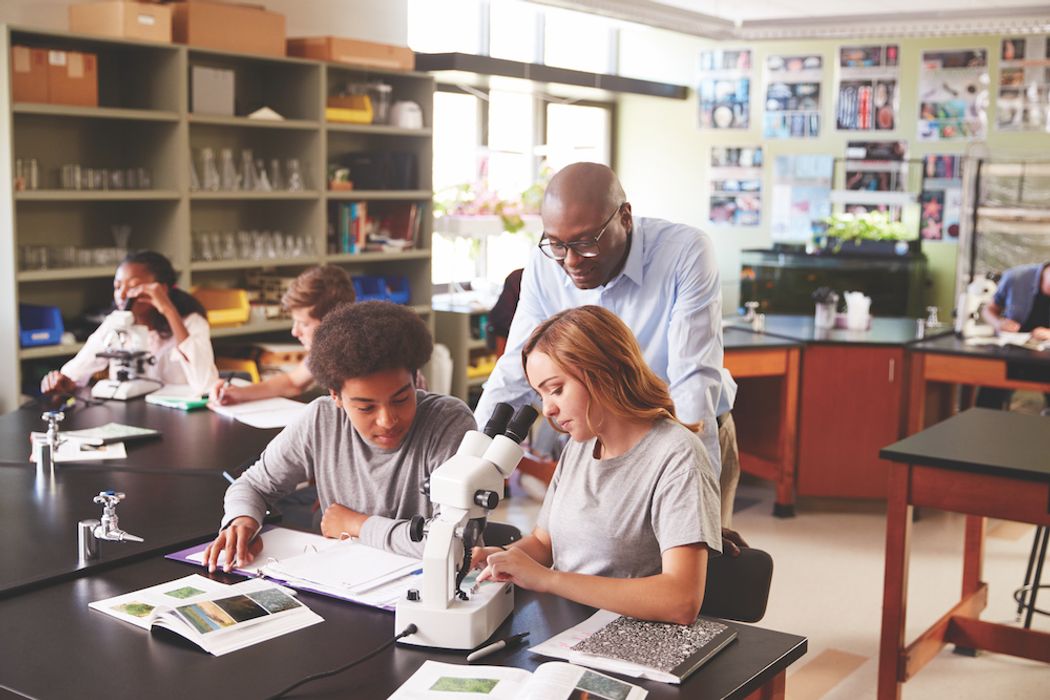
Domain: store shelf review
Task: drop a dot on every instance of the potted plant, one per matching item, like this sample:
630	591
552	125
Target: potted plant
870	233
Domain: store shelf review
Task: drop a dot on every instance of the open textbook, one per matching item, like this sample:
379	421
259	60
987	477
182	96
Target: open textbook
217	617
342	569
551	681
658	651
265	413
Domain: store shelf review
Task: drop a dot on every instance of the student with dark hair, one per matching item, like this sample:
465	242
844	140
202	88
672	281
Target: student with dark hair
308	299
178	328
368	445
632	512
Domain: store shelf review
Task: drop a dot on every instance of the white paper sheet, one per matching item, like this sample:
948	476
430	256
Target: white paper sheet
266	413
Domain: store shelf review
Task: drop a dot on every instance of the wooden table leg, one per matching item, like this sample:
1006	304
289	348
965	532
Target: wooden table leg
785	502
916	410
895	584
772	690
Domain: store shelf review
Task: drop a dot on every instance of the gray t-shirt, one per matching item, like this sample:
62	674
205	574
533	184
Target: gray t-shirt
322	446
615	517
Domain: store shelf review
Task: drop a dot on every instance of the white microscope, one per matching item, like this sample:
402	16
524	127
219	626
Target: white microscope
968	320
127	351
463	490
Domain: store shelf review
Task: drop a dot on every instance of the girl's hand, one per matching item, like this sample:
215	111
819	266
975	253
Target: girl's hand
479	556
517	567
153	293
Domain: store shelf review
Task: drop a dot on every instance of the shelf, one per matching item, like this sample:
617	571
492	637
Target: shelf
377	129
68	273
365	195
378	257
95	195
253	328
237	194
205	265
49	110
49	351
215	120
1031	214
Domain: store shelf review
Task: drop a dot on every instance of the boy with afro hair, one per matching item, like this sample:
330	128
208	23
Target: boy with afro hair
368	445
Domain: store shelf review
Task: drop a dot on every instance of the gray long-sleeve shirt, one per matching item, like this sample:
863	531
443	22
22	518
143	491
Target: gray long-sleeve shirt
322	446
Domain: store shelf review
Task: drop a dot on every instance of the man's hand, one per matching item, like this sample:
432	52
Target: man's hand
1007	325
340	522
519	568
235	540
732	542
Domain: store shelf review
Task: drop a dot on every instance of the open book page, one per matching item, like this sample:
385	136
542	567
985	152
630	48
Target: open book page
350	565
73	450
279	543
265	413
551	681
558	680
216	617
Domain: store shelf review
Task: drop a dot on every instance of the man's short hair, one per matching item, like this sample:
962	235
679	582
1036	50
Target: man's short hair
356	340
319	289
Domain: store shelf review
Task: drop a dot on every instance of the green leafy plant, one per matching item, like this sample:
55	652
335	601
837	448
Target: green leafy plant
477	199
870	226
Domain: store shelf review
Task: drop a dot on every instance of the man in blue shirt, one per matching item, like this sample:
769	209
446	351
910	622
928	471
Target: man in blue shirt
661	278
1021	305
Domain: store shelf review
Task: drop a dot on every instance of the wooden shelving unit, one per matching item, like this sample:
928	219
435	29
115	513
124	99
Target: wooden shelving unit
452	328
144	119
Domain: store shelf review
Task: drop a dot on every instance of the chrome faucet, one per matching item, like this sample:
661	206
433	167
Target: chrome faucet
752	309
89	532
46	447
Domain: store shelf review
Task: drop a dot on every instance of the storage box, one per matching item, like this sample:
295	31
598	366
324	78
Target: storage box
211	90
39	325
72	78
226	307
353	51
28	74
239	28
119	18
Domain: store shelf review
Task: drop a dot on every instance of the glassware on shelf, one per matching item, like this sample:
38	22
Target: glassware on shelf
210	180
276	179
248	179
262	182
230	180
121	236
229	246
295	177
195	183
70	178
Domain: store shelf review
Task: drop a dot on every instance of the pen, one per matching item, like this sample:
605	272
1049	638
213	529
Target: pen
509	642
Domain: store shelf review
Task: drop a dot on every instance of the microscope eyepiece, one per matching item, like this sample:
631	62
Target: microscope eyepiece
498	421
521	422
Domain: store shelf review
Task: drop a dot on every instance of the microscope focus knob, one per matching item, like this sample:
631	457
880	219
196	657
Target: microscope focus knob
416	527
486	499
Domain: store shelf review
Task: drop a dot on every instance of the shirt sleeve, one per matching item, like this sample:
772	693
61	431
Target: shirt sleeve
81	368
507	383
446	431
694	342
285	463
685	508
195	356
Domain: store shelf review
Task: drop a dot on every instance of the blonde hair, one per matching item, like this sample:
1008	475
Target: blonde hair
593	345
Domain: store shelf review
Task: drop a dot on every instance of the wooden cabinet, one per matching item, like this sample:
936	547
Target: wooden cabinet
462	332
850	408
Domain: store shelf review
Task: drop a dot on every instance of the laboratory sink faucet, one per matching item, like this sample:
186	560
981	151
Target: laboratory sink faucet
91	531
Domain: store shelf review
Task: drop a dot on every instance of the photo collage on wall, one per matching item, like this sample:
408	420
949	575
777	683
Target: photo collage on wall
1024	85
874	167
736	186
792	107
725	89
868	84
801	197
953	95
941	199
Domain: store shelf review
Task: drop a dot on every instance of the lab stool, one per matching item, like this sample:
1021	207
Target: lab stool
1026	594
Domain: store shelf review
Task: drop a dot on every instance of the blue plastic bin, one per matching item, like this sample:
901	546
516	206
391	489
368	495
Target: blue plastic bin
369	288
397	289
39	325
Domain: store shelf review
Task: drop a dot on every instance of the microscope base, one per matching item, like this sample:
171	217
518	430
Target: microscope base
463	624
123	391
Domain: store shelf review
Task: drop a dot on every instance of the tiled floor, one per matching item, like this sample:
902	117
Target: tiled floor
827	585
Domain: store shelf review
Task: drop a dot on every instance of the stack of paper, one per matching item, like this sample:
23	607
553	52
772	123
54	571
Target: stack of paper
266	413
179	396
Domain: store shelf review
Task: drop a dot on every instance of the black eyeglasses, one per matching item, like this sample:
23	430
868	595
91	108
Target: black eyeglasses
585	248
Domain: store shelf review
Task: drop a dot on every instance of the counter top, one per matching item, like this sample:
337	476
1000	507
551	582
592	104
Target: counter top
734	338
951	345
883	331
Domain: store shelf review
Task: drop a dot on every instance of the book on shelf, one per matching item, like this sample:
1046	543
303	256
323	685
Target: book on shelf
217	617
553	680
657	651
342	569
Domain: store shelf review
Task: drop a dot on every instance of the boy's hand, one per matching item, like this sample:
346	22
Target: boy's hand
57	383
1008	325
236	541
340	522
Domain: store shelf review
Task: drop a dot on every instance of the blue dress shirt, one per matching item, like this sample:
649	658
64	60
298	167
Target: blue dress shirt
668	294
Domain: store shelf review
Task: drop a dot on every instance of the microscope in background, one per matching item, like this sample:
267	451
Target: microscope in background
127	346
463	490
968	320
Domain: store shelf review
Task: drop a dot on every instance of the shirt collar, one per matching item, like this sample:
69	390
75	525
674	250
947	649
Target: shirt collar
633	267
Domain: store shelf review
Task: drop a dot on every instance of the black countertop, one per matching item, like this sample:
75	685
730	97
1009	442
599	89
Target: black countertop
734	338
54	646
883	331
952	345
981	440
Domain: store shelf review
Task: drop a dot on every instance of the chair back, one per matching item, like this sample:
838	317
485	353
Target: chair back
738	587
500	534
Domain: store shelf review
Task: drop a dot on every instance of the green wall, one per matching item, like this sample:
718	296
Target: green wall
662	156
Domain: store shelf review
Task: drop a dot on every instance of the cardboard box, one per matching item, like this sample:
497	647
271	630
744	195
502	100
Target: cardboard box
211	90
238	28
72	78
353	51
128	20
28	74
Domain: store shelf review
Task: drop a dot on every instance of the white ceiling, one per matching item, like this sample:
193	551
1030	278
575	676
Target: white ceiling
752	10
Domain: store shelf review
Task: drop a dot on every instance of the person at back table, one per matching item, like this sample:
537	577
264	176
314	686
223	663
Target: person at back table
659	277
1021	305
178	331
368	445
309	298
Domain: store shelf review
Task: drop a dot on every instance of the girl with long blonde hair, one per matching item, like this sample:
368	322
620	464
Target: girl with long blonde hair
632	511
